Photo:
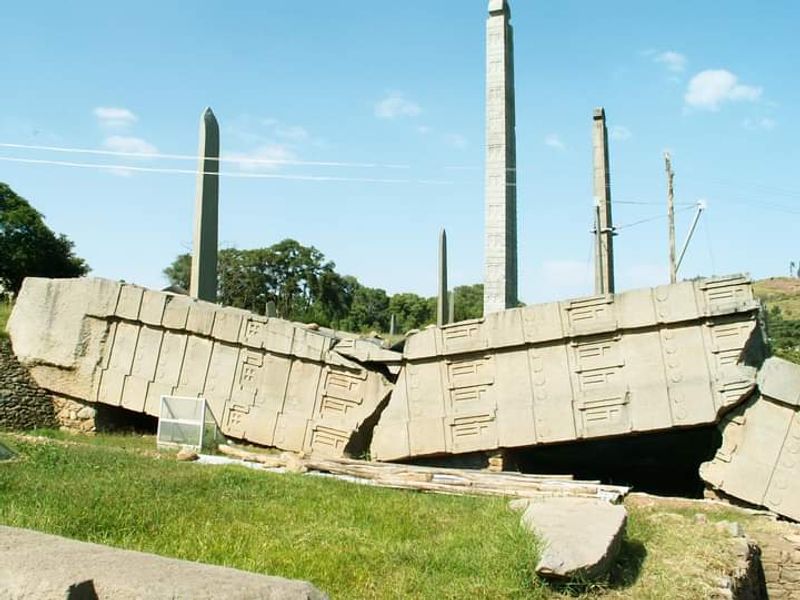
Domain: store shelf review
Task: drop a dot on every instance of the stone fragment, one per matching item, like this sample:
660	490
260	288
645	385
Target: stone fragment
602	366
757	461
268	381
5	453
35	565
186	455
581	538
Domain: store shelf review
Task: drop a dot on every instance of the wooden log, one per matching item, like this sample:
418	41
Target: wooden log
433	479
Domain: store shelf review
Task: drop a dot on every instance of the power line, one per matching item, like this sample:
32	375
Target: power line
648	203
222	159
648	220
35	161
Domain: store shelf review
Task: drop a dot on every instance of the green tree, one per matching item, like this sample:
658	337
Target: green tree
369	310
179	273
784	335
28	248
469	302
412	311
301	282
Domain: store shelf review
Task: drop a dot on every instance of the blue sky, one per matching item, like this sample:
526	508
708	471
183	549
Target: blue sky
393	93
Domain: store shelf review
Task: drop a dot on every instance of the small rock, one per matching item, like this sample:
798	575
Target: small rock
700	518
732	528
186	455
87	412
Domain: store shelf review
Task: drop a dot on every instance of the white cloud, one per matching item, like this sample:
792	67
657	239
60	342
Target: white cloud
114	117
423	130
673	61
456	140
267	157
133	145
294	133
128	145
619	133
396	105
554	141
761	124
708	89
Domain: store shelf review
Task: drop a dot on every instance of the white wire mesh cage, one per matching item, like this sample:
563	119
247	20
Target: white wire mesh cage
185	422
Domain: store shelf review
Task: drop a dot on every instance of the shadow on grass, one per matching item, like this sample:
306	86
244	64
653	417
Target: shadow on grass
628	566
624	573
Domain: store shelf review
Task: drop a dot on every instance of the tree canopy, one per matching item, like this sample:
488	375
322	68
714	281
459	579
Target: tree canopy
305	286
28	248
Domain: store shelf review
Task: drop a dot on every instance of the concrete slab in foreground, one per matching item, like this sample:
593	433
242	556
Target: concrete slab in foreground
41	566
581	538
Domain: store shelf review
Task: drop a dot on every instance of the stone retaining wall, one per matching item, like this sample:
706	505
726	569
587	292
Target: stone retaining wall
23	405
780	556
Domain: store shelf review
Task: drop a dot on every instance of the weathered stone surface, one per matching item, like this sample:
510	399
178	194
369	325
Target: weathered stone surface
266	380
601	366
5	453
500	244
759	460
580	538
34	565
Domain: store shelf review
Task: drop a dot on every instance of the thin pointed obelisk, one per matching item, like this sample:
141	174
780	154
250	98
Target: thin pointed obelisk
500	278
206	212
604	252
441	298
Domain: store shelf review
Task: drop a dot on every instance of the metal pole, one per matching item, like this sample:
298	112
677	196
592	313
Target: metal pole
673	268
599	282
700	208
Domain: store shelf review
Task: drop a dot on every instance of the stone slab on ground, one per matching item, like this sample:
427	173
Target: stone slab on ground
39	566
581	538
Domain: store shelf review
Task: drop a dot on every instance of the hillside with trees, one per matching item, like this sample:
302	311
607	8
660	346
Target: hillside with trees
781	295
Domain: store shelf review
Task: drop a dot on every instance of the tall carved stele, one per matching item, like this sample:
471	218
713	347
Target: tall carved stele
203	284
500	279
604	248
442	301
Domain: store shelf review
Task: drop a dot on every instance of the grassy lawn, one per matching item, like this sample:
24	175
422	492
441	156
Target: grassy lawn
351	541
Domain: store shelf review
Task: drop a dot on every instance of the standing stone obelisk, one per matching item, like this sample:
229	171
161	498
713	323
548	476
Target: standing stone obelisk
500	278
203	283
604	248
442	303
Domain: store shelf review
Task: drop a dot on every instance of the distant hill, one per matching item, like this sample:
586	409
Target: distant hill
783	292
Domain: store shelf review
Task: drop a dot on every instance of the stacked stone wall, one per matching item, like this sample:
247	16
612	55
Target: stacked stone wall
23	404
780	555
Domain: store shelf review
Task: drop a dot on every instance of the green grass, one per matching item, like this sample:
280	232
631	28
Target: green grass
351	541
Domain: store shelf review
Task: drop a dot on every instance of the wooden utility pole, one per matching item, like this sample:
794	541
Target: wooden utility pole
673	269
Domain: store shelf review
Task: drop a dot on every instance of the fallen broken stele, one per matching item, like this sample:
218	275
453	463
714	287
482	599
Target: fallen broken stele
674	356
